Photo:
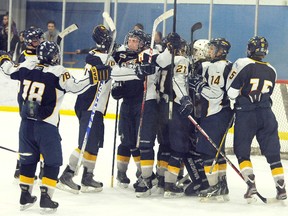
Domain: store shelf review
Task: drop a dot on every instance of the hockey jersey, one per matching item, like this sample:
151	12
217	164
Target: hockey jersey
44	84
247	76
86	100
213	95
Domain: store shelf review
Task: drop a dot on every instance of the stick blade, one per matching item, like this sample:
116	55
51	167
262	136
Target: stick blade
109	21
196	26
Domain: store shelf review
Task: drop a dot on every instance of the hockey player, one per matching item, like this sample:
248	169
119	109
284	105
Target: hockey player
42	87
215	116
200	61
32	38
179	126
83	107
130	88
251	83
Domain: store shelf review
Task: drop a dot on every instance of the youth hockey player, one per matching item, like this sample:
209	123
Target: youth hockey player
83	107
130	88
32	38
215	116
251	83
179	127
42	88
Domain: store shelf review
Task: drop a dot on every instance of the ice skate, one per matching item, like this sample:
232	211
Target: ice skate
26	200
47	206
143	189
224	190
251	190
66	183
172	191
211	194
281	191
123	180
88	184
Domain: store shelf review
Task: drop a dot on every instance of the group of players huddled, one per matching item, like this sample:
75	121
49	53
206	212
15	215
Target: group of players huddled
202	85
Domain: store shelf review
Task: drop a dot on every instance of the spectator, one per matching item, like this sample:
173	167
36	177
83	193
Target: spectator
19	48
52	33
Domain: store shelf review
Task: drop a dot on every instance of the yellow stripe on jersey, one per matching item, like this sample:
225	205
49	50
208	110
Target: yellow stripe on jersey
123	158
245	164
147	162
89	156
277	171
26	180
49	182
174	170
78	150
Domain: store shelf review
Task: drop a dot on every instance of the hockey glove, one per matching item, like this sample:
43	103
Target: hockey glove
186	107
145	69
197	83
173	41
117	90
4	56
99	73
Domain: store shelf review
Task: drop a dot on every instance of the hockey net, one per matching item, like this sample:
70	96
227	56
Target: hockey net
280	109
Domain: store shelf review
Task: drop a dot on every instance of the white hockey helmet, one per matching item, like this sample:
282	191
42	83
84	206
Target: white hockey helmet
200	50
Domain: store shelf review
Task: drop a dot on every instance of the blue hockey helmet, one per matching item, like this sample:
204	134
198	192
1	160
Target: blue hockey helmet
48	53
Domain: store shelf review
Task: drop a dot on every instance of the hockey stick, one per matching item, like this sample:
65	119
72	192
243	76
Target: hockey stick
114	143
172	65
157	21
194	28
112	27
20	153
263	199
65	32
221	144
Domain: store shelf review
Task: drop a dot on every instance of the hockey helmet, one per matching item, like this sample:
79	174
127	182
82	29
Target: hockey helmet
200	50
140	35
48	53
257	46
102	37
32	35
220	44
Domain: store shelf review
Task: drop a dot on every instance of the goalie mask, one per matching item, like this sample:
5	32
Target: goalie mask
135	40
200	50
48	53
33	37
257	46
102	37
219	48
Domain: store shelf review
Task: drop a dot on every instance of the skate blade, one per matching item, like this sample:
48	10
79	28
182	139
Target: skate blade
122	185
172	195
251	200
89	189
143	194
26	206
159	190
215	199
44	211
66	188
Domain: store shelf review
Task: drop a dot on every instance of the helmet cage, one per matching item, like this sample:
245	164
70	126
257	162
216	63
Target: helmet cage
140	35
